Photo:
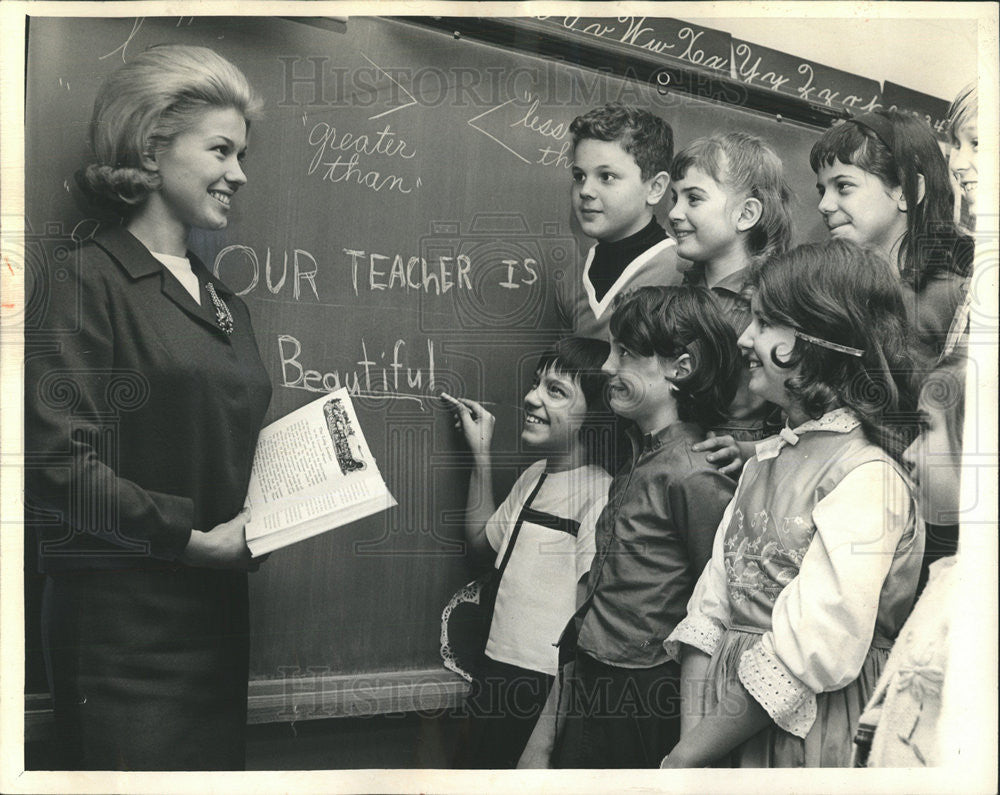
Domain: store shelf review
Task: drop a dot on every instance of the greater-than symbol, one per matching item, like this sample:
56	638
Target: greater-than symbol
413	99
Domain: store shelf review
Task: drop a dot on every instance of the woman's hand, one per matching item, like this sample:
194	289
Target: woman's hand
222	547
475	422
723	452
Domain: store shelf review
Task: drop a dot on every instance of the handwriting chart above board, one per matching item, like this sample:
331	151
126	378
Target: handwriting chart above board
404	227
716	52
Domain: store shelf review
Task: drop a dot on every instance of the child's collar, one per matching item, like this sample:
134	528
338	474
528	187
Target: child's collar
679	430
697	274
840	420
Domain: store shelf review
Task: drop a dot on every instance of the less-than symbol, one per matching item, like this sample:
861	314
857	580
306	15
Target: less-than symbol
493	137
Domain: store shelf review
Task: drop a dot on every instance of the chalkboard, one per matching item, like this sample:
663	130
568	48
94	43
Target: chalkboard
403	230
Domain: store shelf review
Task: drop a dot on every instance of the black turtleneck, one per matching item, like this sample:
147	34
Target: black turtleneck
610	259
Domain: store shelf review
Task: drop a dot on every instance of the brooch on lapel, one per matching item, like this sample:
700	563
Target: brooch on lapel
222	314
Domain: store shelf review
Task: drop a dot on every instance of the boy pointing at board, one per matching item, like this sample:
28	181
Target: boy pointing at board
621	163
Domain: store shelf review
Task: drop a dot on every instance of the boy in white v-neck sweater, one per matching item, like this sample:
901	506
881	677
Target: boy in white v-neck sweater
621	169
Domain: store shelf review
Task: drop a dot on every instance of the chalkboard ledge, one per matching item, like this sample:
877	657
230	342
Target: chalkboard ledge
313	697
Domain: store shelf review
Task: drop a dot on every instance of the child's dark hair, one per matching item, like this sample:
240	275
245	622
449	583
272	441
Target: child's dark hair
849	296
648	138
745	164
944	389
670	321
899	148
581	359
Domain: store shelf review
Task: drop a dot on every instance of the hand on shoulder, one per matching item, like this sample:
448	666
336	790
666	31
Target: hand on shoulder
723	452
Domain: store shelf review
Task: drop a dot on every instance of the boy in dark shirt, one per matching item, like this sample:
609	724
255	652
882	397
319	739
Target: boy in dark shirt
673	369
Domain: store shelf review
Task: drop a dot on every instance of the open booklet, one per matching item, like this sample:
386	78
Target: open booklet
312	472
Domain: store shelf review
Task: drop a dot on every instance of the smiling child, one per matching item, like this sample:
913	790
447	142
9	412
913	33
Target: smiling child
815	564
883	183
730	211
555	503
672	369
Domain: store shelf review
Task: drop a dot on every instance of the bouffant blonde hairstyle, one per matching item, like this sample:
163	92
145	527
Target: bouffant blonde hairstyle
144	105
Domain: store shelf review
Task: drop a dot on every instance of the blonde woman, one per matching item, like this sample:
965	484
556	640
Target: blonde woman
145	393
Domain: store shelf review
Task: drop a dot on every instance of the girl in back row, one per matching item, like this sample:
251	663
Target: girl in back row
883	183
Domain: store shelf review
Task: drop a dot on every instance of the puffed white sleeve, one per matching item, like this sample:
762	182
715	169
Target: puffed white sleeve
708	607
823	621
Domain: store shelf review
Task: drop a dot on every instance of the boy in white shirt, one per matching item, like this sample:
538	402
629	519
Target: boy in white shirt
546	525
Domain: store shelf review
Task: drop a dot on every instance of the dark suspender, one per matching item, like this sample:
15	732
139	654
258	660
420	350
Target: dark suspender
517	527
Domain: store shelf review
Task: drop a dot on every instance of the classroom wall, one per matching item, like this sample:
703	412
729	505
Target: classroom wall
403	230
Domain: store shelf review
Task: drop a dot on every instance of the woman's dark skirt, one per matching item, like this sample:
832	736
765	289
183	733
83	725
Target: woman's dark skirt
148	669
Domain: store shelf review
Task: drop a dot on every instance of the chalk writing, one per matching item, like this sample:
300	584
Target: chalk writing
361	376
370	271
531	121
514	266
698	56
240	267
939	125
415	275
472	123
304	267
933	110
325	139
84	230
124	45
699	46
749	72
814	83
413	100
637	34
547	156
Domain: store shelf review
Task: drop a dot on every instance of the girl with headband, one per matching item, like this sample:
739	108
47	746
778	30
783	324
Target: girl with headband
815	563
